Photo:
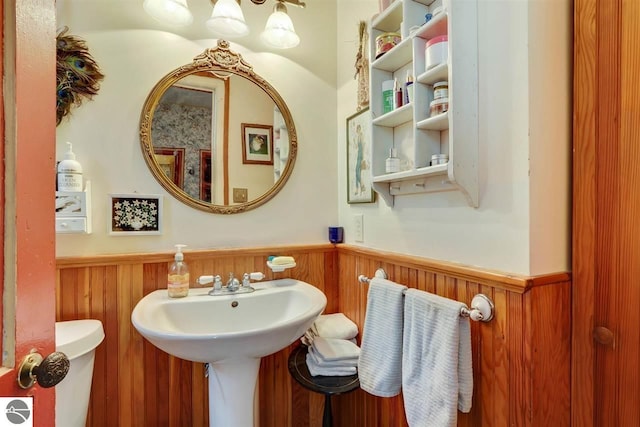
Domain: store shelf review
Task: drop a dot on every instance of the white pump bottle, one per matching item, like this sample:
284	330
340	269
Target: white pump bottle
69	172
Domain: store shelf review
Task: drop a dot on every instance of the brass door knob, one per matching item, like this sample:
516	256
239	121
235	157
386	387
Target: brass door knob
47	372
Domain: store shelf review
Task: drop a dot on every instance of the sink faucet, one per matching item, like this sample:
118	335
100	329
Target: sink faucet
232	284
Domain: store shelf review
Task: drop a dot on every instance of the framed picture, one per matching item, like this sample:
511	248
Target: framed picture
359	189
171	161
135	214
257	147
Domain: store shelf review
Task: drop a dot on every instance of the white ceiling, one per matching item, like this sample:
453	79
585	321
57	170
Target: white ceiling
315	24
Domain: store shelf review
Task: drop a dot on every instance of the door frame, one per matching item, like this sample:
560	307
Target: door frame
28	193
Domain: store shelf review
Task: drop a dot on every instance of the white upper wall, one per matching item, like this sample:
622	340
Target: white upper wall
104	133
521	225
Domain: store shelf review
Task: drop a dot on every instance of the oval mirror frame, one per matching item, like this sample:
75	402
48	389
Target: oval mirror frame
219	59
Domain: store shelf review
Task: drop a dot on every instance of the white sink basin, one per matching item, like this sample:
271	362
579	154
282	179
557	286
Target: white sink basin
204	328
231	333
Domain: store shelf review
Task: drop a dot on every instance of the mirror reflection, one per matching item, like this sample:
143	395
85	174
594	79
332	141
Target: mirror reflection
216	135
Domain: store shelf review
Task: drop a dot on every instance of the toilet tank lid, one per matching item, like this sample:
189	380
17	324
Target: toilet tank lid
77	337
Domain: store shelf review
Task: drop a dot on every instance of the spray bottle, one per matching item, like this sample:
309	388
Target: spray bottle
178	277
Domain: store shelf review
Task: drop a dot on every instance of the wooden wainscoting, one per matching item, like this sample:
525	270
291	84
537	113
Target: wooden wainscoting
135	384
521	358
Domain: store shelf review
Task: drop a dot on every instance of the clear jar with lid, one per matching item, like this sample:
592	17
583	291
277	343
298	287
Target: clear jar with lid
441	90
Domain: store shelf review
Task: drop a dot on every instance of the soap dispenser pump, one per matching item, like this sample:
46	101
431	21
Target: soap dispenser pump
178	277
69	172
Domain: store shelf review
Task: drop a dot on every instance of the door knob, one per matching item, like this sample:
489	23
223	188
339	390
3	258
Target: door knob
47	372
604	336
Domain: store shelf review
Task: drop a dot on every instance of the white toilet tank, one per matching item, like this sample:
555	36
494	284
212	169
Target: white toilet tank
77	339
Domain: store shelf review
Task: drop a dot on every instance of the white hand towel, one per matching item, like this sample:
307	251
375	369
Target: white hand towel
335	325
330	349
342	363
380	364
315	369
437	372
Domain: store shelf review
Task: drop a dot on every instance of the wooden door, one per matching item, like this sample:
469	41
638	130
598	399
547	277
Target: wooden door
606	230
27	193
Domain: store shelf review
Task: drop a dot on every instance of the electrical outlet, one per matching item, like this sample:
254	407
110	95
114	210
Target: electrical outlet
239	195
358	227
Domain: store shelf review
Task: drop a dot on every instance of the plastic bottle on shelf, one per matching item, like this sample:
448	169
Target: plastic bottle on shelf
178	277
69	172
398	94
387	96
408	88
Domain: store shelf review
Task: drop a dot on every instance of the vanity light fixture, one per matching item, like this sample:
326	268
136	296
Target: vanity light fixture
279	32
172	12
227	19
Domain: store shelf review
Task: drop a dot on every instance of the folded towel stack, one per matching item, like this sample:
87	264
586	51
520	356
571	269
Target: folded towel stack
335	325
332	346
332	357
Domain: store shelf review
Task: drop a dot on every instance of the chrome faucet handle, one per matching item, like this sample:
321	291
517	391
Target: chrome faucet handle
217	283
248	277
232	284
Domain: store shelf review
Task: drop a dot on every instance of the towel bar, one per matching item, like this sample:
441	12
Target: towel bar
481	305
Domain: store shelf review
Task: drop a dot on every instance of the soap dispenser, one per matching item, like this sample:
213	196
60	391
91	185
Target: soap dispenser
69	172
178	277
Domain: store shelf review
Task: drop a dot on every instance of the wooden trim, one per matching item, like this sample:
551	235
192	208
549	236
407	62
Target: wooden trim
2	185
28	131
502	280
113	259
225	142
585	100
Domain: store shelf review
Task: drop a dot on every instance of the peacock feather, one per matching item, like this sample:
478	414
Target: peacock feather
77	74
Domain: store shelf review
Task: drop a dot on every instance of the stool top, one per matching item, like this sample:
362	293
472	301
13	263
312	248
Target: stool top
320	384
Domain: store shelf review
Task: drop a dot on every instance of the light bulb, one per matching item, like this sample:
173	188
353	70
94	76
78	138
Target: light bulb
227	19
279	32
172	12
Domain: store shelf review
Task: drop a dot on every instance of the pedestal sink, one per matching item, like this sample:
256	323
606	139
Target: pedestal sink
230	333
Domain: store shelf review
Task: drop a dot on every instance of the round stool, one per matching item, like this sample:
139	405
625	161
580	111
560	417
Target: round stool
320	384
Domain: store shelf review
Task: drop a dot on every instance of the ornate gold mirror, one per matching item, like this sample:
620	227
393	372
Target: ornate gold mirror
216	135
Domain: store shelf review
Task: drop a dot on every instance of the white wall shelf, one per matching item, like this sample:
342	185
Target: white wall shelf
73	211
410	129
395	117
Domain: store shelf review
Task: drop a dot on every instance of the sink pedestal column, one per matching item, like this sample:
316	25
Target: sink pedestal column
232	386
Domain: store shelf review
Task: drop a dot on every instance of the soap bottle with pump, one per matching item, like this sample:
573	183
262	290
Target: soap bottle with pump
69	172
178	277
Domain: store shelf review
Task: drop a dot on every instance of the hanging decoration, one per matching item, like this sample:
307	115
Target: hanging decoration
362	68
77	74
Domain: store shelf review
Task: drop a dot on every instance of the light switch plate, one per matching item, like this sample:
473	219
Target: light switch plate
358	227
239	195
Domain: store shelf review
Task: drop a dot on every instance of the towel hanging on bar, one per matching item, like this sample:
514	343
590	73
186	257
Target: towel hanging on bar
482	308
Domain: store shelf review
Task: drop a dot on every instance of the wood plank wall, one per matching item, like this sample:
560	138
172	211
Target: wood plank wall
525	349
